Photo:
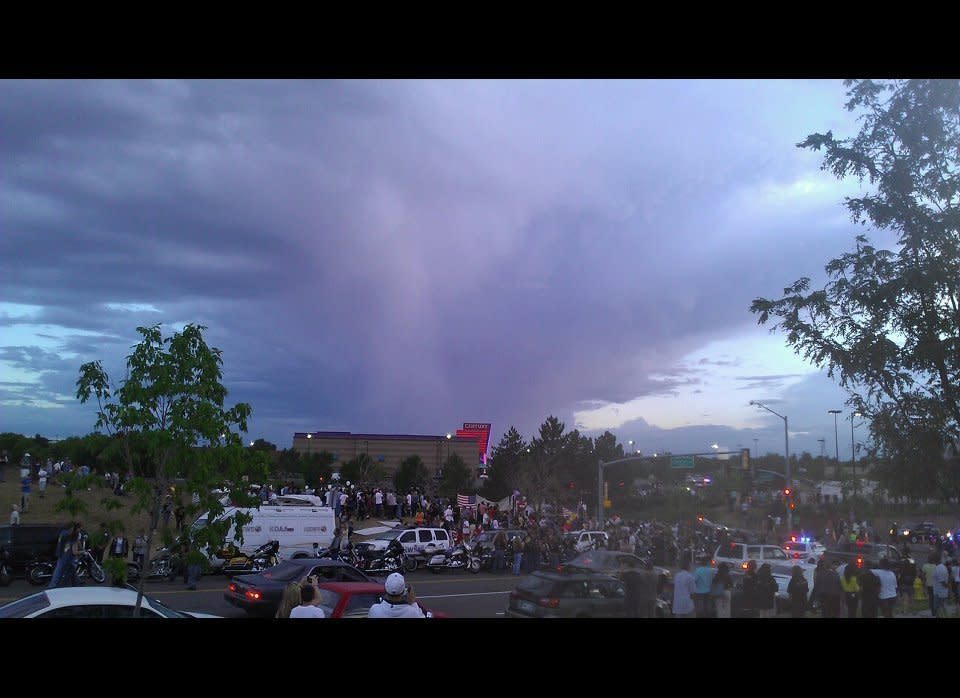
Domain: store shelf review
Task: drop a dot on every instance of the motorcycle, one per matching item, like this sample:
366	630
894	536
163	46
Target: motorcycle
40	572
461	556
6	571
393	559
267	555
163	566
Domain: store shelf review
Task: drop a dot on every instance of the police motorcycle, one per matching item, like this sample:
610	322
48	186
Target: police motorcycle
267	555
460	557
392	559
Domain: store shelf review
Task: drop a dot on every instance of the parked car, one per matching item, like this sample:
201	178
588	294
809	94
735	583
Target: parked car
586	540
24	543
260	594
545	594
354	599
97	603
737	554
921	532
418	543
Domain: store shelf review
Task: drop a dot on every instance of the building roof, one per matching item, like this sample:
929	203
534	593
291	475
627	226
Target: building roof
381	437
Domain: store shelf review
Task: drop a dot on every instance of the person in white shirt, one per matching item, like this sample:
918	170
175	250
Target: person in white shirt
941	587
888	587
684	588
15	515
308	608
399	600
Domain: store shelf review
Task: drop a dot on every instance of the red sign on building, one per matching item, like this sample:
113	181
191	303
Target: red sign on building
479	431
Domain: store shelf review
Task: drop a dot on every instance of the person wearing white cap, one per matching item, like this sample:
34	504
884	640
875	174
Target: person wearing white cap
399	600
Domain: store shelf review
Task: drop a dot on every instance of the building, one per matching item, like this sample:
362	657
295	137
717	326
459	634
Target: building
388	449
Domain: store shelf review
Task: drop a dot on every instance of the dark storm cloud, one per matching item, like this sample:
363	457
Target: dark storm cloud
402	256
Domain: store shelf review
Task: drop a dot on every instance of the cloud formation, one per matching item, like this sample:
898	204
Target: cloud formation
403	256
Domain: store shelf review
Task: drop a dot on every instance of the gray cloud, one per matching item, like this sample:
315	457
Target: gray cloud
402	256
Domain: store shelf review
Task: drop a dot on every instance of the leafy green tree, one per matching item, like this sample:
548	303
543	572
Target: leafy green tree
171	403
457	477
887	323
505	463
317	467
362	470
411	475
264	445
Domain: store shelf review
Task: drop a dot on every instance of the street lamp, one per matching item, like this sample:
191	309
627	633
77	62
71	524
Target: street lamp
630	444
786	450
836	441
449	436
309	437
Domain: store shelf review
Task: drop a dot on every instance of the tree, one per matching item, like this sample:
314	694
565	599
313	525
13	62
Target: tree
543	469
505	465
411	475
457	477
362	470
887	323
170	418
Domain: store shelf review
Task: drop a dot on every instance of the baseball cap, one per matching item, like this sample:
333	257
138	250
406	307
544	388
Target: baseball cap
395	585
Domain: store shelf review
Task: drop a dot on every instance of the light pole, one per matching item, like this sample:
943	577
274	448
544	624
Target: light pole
309	437
786	451
630	444
821	442
449	436
853	453
836	441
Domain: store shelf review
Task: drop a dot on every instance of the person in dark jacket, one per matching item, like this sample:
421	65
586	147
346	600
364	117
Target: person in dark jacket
750	591
766	594
798	591
869	592
827	589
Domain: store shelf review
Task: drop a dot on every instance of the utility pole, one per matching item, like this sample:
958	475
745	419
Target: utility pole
836	441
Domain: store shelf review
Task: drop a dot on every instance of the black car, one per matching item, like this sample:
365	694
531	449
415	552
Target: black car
260	594
545	594
921	532
24	543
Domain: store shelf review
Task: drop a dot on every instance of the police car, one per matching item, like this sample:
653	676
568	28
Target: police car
804	549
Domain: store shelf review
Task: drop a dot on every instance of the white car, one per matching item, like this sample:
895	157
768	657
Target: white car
90	603
804	550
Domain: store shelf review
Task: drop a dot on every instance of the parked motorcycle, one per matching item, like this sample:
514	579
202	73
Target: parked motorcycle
163	566
6	571
461	556
40	572
392	559
267	555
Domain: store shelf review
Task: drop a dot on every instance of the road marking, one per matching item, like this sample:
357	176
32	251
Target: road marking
457	596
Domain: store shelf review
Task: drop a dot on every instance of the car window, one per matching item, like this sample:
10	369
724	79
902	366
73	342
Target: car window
753	552
893	554
286	571
329	573
576	590
329	599
348	574
360	602
536	585
734	550
409	537
25	606
442	535
425	536
774	554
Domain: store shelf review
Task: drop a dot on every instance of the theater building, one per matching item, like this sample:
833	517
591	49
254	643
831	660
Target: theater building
391	449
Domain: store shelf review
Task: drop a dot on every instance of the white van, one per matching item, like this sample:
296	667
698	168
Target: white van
301	524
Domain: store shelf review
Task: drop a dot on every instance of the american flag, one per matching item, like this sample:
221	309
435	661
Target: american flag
466	500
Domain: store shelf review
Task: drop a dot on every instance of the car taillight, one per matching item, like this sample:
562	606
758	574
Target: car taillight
713	563
744	565
796	555
252	594
859	562
549	602
232	587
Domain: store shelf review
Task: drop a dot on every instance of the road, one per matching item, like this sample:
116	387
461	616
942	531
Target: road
462	595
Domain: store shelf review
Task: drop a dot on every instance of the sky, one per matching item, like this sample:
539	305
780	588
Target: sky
404	256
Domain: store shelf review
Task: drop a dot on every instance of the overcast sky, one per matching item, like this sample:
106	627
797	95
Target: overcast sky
404	256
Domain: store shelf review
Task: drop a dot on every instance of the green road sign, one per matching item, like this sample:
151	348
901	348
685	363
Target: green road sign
681	461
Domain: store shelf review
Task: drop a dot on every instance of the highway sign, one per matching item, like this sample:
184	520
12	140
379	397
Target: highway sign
681	461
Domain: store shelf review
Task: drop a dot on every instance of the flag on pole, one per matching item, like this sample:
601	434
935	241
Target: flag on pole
466	500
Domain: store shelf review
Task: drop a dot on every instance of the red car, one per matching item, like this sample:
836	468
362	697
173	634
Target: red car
354	599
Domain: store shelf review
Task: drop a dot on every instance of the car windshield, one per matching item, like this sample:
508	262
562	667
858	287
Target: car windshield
386	535
595	560
536	585
165	611
25	606
286	571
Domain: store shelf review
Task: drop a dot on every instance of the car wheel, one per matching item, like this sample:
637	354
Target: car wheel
409	565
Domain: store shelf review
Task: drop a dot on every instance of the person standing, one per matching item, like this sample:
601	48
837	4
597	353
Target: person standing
499	550
399	600
702	578
15	515
120	547
941	587
798	591
720	590
140	549
869	591
291	599
517	545
25	490
684	589
827	589
888	587
309	603
926	572
179	515
851	590
766	592
4	462
42	479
